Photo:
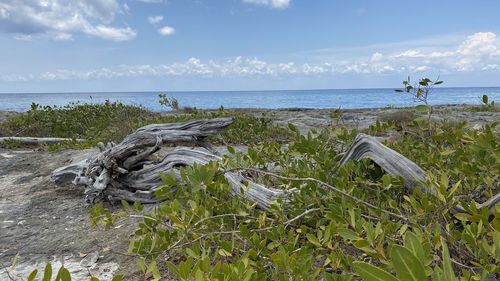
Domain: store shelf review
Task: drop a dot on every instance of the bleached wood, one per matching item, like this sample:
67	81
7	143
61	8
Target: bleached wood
34	140
390	161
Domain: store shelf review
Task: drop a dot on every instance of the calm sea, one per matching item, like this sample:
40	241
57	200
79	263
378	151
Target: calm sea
343	98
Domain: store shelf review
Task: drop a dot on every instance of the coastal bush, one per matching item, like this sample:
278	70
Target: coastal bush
169	103
249	129
63	274
399	118
203	233
420	92
112	121
486	106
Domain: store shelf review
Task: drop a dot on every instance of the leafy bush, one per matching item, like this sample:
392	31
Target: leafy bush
399	118
487	105
203	233
420	92
62	275
171	103
248	129
112	121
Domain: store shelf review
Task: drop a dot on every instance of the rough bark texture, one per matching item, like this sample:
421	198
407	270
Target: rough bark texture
395	164
126	171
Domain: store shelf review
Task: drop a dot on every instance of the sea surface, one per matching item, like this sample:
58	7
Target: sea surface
335	98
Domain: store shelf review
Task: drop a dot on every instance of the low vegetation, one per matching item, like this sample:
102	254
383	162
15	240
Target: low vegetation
112	121
203	233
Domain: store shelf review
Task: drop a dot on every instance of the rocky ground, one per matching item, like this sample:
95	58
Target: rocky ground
40	222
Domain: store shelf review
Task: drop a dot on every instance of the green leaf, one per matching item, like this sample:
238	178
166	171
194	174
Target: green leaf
224	253
449	275
463	216
372	273
117	278
313	240
407	265
415	246
173	268
348	234
94	278
292	127
153	269
191	253
231	150
485	99
447	152
47	273
32	275
64	275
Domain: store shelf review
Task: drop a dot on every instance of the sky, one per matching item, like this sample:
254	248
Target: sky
193	45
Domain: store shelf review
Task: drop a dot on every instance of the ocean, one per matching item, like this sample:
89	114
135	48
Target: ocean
334	98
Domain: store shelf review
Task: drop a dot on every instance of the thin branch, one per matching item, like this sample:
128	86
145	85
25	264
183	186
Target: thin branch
324	184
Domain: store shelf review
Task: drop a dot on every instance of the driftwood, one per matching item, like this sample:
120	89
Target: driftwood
33	140
365	146
126	171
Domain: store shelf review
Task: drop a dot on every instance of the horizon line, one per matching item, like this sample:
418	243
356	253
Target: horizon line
202	91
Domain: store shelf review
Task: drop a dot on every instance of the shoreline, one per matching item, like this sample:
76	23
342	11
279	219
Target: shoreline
360	118
281	108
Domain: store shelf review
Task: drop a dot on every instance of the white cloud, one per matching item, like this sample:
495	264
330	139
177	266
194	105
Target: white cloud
480	43
409	54
478	52
155	19
61	19
166	31
151	1
126	8
377	57
278	4
112	33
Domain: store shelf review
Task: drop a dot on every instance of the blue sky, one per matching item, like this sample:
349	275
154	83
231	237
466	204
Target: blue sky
133	45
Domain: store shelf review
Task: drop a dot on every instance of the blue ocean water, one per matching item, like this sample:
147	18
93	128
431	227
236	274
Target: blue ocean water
335	98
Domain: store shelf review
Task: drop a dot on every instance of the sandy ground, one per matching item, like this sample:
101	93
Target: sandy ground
41	222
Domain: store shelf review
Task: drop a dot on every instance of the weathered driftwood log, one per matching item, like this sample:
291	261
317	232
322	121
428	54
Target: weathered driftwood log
33	140
126	171
115	163
365	146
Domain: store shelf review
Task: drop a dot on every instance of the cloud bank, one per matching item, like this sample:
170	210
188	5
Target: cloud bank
62	19
477	52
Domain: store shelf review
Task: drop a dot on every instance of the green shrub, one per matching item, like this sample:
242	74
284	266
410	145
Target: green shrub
112	121
203	233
